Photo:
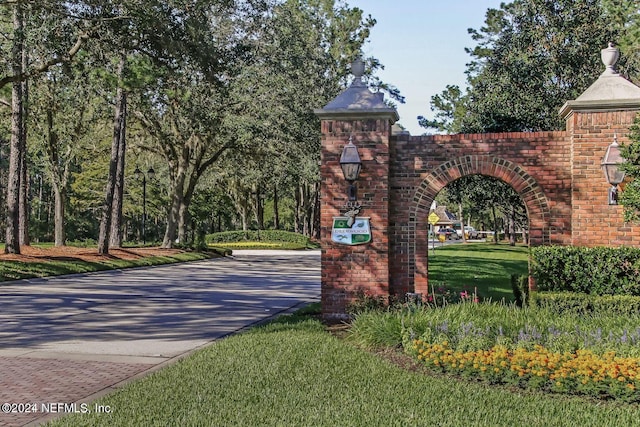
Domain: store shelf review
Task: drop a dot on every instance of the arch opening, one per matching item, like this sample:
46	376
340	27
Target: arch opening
493	245
532	195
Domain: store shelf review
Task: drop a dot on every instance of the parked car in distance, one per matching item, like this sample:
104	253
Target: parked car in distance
471	232
448	233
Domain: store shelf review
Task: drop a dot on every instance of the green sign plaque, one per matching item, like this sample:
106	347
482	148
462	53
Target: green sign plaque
351	230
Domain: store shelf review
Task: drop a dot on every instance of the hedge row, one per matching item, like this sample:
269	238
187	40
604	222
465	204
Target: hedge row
582	304
257	236
596	271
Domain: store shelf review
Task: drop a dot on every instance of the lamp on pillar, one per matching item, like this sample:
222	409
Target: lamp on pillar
611	167
350	163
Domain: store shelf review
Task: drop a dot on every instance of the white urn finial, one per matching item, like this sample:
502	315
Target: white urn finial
609	57
357	69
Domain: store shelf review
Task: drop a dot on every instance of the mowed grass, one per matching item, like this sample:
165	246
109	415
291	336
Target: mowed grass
14	270
486	267
294	373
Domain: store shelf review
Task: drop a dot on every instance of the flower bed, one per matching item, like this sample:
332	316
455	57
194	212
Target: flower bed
579	372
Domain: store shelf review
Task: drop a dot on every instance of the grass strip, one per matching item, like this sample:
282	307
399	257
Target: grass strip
14	270
486	267
296	374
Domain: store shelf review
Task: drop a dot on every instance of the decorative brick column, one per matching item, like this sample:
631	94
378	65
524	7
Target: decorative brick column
349	271
604	111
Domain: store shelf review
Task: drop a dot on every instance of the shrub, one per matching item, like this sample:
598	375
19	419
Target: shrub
520	287
258	236
473	326
579	303
562	302
598	271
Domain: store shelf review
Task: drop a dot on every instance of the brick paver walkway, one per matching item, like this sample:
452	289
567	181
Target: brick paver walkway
46	383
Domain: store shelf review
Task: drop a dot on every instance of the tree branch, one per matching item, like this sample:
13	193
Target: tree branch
44	67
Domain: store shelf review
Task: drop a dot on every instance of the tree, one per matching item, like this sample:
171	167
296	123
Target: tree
21	69
449	109
17	153
630	197
531	57
302	57
488	201
115	182
625	15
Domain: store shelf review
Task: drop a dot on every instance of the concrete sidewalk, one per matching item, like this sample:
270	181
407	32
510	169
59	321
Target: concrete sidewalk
71	339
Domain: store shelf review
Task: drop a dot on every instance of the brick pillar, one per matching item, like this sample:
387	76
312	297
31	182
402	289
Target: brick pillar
350	271
606	109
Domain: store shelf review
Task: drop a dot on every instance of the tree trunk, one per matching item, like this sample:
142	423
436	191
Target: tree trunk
259	211
297	220
306	209
183	220
24	181
23	231
244	216
495	224
115	238
276	211
173	216
315	216
171	231
12	242
464	235
60	200
107	208
58	181
512	227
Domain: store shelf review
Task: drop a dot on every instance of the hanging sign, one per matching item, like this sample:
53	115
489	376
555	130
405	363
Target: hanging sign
348	230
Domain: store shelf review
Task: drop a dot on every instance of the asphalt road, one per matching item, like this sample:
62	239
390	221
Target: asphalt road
154	311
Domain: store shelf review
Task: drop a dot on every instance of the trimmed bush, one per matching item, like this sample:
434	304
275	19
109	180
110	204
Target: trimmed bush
562	302
597	271
578	303
257	236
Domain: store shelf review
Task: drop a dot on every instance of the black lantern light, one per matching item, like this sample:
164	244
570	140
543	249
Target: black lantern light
611	167
350	163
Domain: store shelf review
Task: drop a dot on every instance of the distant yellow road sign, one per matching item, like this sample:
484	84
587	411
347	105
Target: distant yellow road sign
433	218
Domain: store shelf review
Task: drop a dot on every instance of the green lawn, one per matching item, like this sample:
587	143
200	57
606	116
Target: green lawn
14	270
485	266
297	374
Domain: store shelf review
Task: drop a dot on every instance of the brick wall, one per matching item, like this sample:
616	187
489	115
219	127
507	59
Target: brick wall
536	165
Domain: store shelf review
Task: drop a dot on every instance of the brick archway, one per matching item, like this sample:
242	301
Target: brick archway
557	173
525	185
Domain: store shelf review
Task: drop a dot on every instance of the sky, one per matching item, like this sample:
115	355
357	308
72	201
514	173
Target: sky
421	45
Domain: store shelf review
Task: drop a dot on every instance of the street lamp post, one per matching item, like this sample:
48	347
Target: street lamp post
139	175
